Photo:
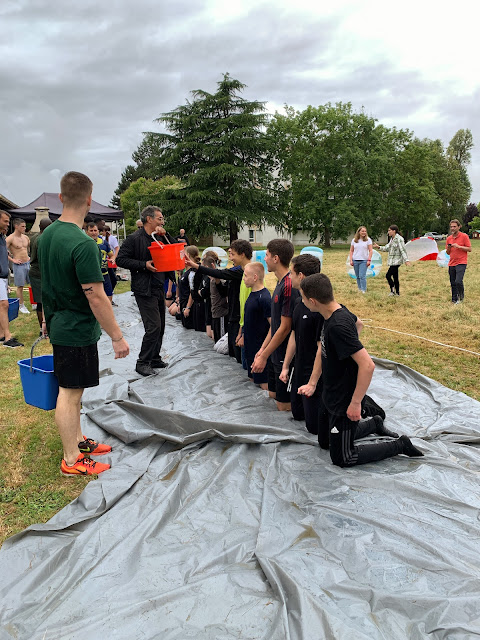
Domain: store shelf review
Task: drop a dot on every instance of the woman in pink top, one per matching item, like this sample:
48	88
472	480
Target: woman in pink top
361	251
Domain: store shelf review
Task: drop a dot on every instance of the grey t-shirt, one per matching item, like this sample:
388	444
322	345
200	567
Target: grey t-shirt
3	257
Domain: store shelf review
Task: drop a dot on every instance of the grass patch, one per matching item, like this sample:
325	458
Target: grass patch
31	487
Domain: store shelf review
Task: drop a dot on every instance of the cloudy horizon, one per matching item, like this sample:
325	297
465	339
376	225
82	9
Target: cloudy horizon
82	82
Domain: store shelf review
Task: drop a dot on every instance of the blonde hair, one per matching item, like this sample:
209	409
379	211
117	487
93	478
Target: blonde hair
193	253
357	235
258	269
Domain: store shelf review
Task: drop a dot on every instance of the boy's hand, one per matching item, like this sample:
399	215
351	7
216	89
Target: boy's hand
284	376
259	363
239	341
354	411
190	263
307	390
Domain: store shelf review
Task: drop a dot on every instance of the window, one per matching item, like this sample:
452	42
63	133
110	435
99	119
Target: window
251	235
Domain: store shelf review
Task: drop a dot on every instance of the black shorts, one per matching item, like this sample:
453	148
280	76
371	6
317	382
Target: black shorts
275	385
76	367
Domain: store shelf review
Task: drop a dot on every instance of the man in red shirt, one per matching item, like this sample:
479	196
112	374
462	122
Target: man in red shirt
458	246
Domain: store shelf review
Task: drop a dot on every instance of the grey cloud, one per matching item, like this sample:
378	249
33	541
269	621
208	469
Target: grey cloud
92	78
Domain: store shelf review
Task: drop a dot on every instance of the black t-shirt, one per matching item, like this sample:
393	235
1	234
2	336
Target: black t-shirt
255	321
339	338
283	300
307	326
234	277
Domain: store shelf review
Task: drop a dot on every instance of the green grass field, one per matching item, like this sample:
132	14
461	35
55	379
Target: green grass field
31	487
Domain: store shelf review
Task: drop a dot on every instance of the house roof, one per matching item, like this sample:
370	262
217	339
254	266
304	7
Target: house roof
7	204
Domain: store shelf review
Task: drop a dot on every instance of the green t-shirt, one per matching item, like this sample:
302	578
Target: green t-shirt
244	293
68	259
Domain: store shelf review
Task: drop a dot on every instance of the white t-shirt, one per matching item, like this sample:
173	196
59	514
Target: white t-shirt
113	242
360	249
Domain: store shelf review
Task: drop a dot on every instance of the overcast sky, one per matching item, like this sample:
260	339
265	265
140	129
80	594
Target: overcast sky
80	81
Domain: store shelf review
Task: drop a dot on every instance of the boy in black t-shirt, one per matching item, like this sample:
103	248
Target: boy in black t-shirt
256	322
347	370
278	255
240	254
306	391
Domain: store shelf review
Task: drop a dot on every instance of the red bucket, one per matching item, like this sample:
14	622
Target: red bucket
168	257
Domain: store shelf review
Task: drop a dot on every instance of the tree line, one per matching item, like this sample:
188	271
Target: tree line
223	163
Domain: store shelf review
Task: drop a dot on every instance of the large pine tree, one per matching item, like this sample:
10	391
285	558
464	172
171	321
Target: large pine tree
216	145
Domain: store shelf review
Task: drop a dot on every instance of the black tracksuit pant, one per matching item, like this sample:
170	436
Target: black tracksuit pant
344	452
152	311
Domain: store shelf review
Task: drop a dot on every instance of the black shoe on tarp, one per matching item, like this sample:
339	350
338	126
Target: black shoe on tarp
159	364
145	369
408	448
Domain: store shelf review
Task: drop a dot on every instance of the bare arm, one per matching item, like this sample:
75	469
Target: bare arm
289	354
350	255
364	377
359	324
103	312
309	388
278	337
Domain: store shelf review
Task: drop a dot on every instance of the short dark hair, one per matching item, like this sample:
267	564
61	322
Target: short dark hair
75	188
90	225
456	222
242	247
307	264
89	218
394	227
282	248
44	223
318	287
18	221
4	213
149	212
100	222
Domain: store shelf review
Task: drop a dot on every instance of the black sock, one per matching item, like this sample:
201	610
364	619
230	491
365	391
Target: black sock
408	449
381	429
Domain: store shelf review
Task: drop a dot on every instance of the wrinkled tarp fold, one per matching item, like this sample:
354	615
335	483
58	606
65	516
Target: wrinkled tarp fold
221	517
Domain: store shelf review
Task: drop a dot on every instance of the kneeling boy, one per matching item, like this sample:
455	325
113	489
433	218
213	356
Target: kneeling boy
256	323
347	370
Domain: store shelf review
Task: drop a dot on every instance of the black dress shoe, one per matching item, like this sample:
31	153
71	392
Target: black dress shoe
145	370
159	364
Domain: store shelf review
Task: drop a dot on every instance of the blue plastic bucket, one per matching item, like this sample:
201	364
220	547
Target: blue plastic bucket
13	305
40	384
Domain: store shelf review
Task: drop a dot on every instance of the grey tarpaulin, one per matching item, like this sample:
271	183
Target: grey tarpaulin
221	518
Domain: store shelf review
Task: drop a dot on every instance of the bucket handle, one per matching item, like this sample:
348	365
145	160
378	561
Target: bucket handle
42	337
159	244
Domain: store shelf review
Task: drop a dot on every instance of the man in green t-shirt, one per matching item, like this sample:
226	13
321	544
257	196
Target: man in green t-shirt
75	305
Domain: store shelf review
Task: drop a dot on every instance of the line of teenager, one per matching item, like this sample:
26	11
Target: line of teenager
300	344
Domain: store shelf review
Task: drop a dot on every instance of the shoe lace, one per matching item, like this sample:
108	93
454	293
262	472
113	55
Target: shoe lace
88	462
90	441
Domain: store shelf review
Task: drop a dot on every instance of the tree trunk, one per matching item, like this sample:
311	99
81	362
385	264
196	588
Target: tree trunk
233	231
327	238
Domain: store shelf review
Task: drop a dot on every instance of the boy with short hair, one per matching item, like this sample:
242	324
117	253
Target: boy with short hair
105	253
306	392
278	255
347	370
240	252
256	323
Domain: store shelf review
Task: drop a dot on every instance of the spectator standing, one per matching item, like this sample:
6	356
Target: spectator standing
35	273
75	305
105	253
6	337
397	256
458	248
361	250
18	244
112	262
182	238
147	286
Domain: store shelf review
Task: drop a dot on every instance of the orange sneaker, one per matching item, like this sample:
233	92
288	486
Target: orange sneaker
92	448
83	467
